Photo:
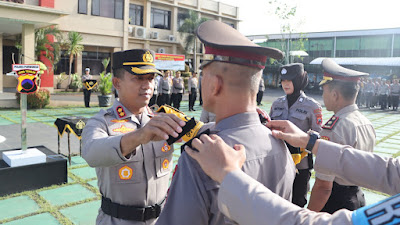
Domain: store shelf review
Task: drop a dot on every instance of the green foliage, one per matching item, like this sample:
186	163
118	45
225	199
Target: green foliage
74	46
105	83
63	76
189	27
37	100
42	43
76	81
105	63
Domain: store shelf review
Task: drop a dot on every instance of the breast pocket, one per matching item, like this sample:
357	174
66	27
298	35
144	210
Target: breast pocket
277	115
163	159
300	120
131	171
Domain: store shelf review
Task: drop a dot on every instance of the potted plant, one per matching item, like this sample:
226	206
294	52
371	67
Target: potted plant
60	79
105	88
76	82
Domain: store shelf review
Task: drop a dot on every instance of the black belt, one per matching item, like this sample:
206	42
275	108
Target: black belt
130	212
342	188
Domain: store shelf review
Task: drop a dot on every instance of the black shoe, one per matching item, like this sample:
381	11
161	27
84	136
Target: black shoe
193	110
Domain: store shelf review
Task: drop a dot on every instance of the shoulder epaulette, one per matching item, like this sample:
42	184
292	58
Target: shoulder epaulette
331	123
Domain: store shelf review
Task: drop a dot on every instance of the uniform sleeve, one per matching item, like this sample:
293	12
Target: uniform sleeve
99	149
247	201
316	121
187	198
359	167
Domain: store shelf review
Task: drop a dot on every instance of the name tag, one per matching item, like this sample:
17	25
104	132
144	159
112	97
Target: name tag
385	212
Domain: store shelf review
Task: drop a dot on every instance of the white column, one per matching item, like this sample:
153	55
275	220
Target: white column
28	43
1	63
125	39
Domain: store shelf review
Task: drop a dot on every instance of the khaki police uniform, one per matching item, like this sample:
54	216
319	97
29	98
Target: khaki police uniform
192	198
177	91
347	127
395	92
86	92
153	99
192	87
165	90
246	201
369	90
140	180
383	92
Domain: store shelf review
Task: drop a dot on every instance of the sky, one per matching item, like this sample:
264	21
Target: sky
318	15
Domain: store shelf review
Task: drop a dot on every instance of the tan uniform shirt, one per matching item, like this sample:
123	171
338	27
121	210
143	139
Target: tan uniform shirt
348	127
84	78
193	82
246	201
165	86
305	113
192	198
138	180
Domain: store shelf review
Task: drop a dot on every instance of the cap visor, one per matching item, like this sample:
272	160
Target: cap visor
142	70
323	82
288	76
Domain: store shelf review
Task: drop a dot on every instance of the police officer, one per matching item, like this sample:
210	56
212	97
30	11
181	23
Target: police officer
192	88
178	88
369	90
230	86
304	112
383	92
348	127
126	144
165	89
246	201
395	92
86	92
153	99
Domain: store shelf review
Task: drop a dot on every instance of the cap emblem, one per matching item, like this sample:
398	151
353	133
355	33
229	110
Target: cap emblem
148	57
283	71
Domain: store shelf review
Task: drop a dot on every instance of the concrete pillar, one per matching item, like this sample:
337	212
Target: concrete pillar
125	39
174	49
89	7
174	20
78	64
1	63
28	43
147	14
199	5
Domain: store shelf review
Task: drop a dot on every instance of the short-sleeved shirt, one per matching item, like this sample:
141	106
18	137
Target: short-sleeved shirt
165	86
137	180
192	83
369	87
261	86
177	85
348	127
395	89
84	78
305	113
192	197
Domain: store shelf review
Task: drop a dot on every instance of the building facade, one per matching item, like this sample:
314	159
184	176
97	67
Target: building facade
107	26
376	51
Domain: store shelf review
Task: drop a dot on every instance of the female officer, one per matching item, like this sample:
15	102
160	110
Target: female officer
305	113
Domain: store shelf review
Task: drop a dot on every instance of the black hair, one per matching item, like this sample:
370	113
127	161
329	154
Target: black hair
348	90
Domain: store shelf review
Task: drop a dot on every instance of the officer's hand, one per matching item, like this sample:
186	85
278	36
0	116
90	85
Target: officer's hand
160	126
287	131
215	157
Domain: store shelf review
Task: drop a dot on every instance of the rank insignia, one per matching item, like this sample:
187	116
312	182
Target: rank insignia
165	164
125	173
331	123
166	148
325	138
123	129
318	111
120	121
319	119
120	111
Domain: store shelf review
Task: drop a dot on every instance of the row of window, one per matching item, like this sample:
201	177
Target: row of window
160	18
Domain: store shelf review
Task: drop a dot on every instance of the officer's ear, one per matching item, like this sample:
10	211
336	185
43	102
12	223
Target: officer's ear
218	84
116	82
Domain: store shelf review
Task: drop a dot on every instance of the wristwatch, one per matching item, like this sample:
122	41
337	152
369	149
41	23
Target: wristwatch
314	136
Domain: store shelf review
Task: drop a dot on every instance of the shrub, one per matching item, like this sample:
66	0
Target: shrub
105	83
37	100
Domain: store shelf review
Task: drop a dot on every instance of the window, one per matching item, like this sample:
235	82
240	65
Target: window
136	14
182	15
93	60
230	24
82	6
63	64
160	19
108	8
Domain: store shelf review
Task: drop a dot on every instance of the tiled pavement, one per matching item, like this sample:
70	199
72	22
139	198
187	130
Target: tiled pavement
78	201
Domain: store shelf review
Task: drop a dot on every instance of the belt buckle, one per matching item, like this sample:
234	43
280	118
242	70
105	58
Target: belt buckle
151	212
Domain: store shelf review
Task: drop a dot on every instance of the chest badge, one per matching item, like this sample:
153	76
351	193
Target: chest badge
165	164
331	123
120	111
125	173
123	129
165	148
120	121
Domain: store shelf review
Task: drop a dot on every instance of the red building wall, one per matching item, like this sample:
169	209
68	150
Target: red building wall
46	3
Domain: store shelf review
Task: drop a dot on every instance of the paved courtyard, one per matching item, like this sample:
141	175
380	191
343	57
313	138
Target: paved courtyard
78	201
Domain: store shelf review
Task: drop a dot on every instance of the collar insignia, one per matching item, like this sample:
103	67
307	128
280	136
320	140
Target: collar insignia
331	123
120	111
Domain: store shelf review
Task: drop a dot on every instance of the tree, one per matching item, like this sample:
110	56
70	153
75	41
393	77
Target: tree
74	48
44	43
188	28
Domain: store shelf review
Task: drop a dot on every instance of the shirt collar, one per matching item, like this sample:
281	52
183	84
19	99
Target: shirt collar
241	119
347	109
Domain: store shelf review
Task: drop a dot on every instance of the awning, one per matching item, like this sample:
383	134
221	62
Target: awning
388	61
298	53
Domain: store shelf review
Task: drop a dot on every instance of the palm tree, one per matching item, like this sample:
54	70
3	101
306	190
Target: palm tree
43	44
74	48
189	27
